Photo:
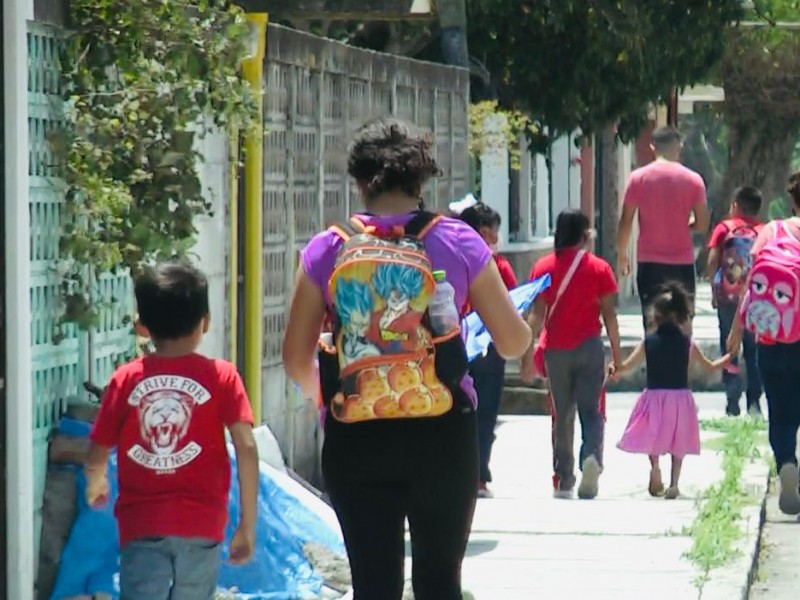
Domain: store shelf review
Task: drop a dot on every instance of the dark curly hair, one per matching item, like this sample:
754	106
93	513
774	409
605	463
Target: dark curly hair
794	188
389	155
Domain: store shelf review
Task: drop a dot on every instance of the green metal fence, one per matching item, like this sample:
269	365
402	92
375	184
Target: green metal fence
60	367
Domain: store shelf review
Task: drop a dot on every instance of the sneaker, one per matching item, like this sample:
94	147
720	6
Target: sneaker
563	493
484	491
755	411
732	409
588	488
789	500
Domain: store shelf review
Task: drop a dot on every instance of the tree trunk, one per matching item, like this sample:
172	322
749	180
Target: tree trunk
453	25
761	156
609	219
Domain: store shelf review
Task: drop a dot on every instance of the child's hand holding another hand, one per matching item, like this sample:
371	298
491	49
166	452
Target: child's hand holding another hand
723	362
615	371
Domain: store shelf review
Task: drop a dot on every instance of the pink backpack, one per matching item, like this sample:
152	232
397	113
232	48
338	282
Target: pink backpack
771	305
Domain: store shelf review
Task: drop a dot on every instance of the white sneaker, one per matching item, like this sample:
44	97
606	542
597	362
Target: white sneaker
589	486
560	494
789	500
484	491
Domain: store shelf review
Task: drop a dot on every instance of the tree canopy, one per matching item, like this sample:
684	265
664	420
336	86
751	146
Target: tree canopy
760	71
591	63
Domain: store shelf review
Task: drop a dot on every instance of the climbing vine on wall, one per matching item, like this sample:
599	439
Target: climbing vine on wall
142	80
512	125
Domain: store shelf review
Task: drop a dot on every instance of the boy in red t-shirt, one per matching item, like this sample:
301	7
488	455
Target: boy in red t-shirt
166	414
729	262
488	372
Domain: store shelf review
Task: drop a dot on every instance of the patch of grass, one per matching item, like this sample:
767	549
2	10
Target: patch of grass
717	444
716	528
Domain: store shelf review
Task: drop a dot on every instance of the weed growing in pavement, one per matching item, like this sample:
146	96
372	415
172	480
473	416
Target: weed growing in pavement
716	528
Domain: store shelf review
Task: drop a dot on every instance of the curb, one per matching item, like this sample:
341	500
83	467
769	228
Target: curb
762	520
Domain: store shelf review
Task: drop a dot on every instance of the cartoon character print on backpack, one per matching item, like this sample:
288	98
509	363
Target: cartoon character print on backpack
771	306
356	303
380	290
735	263
397	320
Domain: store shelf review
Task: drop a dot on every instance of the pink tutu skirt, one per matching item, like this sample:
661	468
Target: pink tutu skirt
663	422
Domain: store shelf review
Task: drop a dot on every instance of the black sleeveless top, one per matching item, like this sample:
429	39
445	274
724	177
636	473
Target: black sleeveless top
667	352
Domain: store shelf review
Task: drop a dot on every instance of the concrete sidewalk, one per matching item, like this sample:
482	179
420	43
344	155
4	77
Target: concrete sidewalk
624	545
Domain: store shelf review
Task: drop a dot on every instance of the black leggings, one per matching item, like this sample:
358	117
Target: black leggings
779	364
378	474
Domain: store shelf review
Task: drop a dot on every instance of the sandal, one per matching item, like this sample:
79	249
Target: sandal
656	487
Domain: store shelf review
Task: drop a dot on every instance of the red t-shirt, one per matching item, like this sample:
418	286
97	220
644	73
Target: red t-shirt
167	418
577	315
723	227
506	271
665	193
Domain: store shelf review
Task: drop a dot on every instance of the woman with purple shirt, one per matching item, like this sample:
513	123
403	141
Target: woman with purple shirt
382	471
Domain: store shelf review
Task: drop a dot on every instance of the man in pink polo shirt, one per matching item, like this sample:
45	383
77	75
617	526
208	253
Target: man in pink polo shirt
671	203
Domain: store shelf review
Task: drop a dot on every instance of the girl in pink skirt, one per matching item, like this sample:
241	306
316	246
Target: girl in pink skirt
664	420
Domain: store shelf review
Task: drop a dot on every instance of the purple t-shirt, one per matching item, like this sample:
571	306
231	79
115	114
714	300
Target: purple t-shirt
452	245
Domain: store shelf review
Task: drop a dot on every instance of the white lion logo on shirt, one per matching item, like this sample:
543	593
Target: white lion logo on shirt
164	406
164	418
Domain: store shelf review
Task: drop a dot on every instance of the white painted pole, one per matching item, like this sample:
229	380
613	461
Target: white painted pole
543	225
559	171
19	397
494	171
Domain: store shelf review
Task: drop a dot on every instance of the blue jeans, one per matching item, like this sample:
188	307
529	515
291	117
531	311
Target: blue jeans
780	368
488	374
734	387
170	568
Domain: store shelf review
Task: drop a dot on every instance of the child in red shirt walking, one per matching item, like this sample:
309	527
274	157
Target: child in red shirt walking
729	263
583	292
488	372
166	414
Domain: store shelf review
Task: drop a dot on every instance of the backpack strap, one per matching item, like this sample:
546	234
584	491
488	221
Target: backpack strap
346	230
565	283
419	226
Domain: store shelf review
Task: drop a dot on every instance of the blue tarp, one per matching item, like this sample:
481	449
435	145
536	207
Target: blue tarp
279	570
478	338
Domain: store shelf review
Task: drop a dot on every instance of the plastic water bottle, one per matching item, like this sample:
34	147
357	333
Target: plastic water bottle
442	308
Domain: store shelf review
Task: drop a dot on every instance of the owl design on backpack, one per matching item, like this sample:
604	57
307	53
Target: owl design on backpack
771	306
